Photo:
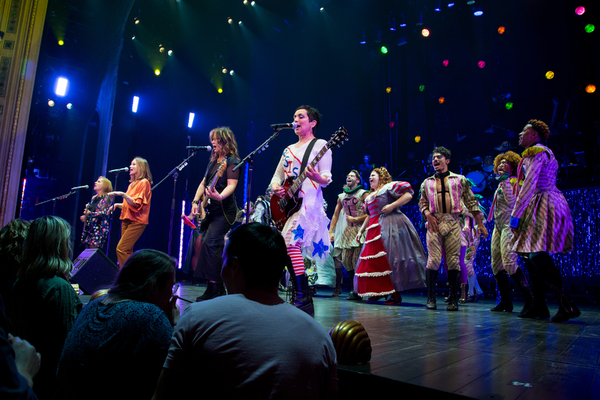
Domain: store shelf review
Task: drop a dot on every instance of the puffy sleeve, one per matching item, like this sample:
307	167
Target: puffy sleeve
140	193
398	189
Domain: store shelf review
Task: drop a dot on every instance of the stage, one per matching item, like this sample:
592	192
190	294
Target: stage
473	352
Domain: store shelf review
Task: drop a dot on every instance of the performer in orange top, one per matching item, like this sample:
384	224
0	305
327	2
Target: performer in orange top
135	209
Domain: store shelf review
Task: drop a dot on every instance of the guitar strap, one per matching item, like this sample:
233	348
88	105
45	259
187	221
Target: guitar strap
306	155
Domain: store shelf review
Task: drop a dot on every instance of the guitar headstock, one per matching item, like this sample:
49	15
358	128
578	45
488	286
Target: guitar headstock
338	138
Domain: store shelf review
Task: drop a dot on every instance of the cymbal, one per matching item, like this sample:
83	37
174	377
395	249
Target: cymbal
506	145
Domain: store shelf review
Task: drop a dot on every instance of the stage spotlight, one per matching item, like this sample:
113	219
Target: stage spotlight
253	3
402	22
470	2
322	9
388	89
229	21
231	72
589	28
445	63
501	30
220	90
384	50
438	6
549	75
62	84
477	12
224	70
134	104
392	24
69	106
51	102
61	42
421	88
481	64
240	23
580	10
161	49
441	100
137	21
425	32
509	105
170	53
393	124
157	72
133	37
191	119
590	88
451	4
417	139
245	2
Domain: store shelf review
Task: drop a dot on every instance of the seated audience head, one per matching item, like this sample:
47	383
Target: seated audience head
148	276
47	250
12	238
254	258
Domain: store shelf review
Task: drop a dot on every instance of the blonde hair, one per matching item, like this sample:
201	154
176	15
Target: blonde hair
143	170
106	185
227	143
47	249
384	177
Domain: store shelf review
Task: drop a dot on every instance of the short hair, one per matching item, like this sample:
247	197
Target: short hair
47	250
443	151
313	114
249	240
384	176
355	172
143	170
12	238
106	185
143	271
513	159
224	135
540	127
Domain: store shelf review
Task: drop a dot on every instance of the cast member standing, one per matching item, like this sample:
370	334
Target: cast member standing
351	201
96	215
135	209
504	259
391	234
443	197
305	232
541	222
221	209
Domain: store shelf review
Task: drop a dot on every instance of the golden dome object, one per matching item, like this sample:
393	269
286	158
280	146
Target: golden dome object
351	342
98	293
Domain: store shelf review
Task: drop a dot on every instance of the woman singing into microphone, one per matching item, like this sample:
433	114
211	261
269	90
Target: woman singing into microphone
221	209
135	209
96	215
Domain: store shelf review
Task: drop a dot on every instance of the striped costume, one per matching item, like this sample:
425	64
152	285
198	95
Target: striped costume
503	257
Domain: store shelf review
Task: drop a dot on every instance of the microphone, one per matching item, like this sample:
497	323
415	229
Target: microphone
292	125
80	187
207	148
116	171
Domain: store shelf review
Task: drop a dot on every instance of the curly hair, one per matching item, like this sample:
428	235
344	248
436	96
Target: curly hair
540	127
227	142
513	159
12	237
384	177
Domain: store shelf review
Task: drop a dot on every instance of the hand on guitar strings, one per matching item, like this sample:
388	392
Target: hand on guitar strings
213	194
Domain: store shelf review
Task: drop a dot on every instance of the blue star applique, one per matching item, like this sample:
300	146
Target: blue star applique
319	248
298	232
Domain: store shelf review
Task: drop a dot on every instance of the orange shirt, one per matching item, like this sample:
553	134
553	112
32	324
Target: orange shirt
141	193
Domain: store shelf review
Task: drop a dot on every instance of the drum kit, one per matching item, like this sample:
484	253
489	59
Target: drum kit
480	172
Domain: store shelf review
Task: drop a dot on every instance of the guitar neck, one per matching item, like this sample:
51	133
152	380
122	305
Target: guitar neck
302	176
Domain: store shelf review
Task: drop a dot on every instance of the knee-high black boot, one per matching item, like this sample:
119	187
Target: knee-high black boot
521	279
453	278
538	309
339	274
548	269
431	278
353	295
505	303
302	298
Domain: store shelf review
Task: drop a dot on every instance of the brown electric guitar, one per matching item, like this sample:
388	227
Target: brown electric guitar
283	207
201	216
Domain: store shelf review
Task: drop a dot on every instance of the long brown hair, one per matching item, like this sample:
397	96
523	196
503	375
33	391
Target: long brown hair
106	186
226	140
143	170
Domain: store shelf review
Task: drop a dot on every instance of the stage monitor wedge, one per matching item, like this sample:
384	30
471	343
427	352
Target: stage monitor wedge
93	271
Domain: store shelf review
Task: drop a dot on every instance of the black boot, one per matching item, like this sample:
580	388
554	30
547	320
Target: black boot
353	295
302	299
502	283
453	278
538	309
210	292
521	279
431	278
339	273
547	267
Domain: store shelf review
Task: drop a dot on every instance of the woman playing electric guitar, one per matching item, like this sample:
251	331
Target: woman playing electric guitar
221	209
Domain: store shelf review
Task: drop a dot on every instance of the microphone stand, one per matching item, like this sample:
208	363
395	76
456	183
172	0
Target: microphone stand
249	159
55	199
175	173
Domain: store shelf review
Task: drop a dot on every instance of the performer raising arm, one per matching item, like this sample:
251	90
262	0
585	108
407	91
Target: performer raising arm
305	232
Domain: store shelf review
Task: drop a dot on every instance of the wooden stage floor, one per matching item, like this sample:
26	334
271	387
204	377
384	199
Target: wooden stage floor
472	352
